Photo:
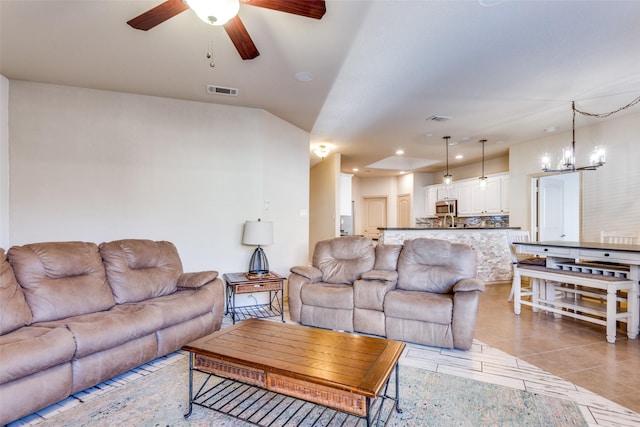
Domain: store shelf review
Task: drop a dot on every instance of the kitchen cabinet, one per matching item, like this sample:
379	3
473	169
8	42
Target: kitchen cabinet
472	201
504	194
431	199
487	201
464	198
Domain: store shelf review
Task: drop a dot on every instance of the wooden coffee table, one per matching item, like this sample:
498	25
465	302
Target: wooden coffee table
342	371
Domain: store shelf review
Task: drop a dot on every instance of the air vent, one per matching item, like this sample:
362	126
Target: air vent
221	90
436	118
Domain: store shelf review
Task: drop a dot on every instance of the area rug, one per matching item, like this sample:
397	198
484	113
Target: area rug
427	399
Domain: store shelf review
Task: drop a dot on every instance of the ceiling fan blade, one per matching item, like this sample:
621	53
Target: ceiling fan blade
158	15
309	8
241	38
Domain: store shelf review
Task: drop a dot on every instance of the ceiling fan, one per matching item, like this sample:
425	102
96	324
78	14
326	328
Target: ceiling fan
232	23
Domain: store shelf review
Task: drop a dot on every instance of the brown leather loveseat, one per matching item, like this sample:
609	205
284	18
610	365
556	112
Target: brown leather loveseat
74	314
424	291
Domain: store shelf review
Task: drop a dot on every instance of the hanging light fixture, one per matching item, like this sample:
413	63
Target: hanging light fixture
215	12
483	179
447	179
322	151
567	160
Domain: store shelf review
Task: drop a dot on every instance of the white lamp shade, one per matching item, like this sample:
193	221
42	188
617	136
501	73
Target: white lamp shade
215	12
258	233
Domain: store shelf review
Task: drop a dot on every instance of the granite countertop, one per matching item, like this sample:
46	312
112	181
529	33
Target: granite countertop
449	228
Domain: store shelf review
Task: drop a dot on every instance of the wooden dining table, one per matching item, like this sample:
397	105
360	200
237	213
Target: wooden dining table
626	256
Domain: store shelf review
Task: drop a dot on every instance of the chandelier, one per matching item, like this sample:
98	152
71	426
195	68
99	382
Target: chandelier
567	160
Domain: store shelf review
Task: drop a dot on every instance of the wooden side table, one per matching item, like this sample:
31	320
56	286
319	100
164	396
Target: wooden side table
244	283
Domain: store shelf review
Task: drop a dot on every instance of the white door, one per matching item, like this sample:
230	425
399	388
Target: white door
558	207
374	215
404	210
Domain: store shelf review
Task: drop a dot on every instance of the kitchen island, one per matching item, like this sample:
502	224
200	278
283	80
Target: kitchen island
491	244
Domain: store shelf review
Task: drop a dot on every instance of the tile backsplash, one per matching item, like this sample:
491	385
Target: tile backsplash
496	221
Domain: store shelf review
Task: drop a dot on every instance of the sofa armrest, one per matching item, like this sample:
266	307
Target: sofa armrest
467	285
386	275
196	280
307	271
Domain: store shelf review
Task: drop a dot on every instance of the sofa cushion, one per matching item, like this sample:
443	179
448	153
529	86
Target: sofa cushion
433	265
61	279
141	269
420	306
184	305
344	259
387	257
104	330
370	294
327	295
14	311
33	349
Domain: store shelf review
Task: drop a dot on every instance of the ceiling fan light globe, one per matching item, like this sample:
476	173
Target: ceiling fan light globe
215	12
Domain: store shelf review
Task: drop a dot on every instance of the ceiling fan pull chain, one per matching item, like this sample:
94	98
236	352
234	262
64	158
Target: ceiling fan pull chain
212	64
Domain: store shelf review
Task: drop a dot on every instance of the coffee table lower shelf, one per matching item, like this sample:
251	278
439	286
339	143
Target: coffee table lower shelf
262	406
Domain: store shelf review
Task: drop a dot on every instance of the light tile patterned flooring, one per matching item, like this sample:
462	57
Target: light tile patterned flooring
533	352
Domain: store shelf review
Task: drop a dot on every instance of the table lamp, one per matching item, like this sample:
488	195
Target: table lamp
258	233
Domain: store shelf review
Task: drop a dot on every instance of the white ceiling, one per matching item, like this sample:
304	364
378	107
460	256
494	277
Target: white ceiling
503	70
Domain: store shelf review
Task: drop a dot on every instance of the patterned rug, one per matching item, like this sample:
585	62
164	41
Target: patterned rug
427	399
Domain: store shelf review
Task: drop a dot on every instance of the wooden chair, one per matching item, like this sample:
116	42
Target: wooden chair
620	237
516	236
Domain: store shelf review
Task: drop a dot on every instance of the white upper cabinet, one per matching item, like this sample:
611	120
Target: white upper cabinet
464	198
431	199
472	201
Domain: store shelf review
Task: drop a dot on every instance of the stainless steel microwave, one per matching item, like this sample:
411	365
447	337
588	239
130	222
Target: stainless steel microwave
447	207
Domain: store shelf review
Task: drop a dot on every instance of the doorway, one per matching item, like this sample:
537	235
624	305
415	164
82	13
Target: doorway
555	208
374	215
404	210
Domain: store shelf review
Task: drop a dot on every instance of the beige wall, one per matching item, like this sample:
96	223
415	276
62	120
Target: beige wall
97	166
610	196
324	201
4	162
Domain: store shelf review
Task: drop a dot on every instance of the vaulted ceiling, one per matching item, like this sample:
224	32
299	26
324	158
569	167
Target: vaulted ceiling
500	70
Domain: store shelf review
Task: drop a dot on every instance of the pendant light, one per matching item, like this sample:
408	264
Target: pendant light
483	179
447	179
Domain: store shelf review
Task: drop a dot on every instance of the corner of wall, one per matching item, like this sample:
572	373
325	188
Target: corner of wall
4	162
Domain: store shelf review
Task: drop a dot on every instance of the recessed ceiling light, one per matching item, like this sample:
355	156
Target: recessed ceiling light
355	169
459	156
304	76
399	152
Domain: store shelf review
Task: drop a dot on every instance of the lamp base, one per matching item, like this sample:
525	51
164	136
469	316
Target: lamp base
258	264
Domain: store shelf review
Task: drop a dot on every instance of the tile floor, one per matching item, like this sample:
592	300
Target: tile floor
564	358
574	350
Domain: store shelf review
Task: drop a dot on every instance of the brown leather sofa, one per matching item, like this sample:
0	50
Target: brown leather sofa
73	315
424	291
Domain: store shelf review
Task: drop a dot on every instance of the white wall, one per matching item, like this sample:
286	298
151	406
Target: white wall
610	195
97	166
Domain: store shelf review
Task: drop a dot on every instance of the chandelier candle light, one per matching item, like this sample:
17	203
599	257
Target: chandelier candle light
258	233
